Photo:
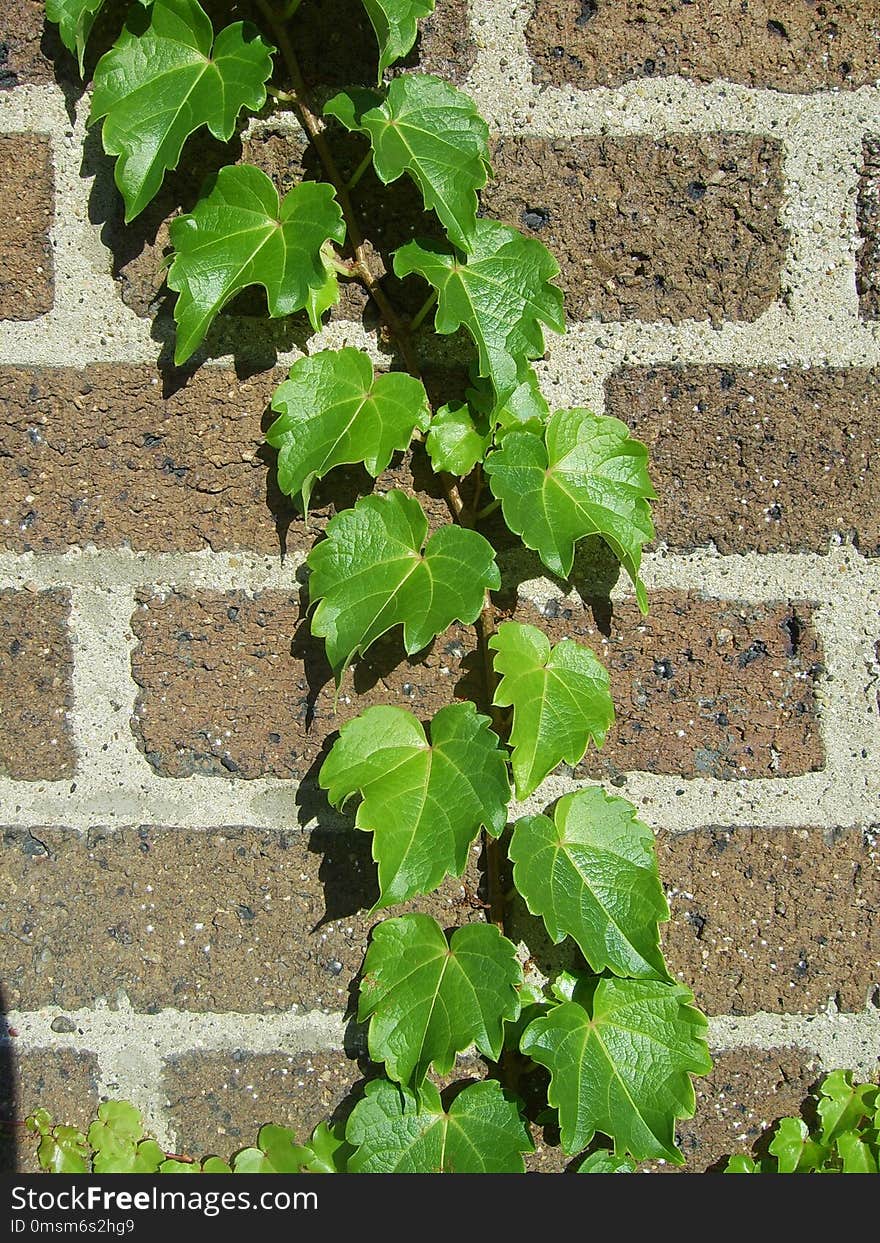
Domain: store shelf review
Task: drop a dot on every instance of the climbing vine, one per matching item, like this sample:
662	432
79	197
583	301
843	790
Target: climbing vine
615	1042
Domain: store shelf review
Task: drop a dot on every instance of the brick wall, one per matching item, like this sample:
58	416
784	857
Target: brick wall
180	916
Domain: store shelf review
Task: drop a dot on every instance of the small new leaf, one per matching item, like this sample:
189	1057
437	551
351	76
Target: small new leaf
155	88
334	410
396	23
591	874
620	1064
560	701
240	235
428	999
398	1132
794	1149
501	294
375	571
75	19
455	443
426	128
604	1162
424	803
585	476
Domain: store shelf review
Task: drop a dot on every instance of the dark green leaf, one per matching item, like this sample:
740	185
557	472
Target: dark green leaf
396	23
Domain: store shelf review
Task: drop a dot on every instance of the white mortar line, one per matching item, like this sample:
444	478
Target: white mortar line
204	570
839	1040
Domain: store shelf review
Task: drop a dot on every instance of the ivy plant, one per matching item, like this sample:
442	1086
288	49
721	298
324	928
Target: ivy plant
617	1041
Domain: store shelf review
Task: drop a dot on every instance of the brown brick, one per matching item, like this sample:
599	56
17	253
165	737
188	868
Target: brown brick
226	919
23	60
670	228
764	459
763	43
62	1081
772	919
26	204
219	1101
868	219
35	686
704	688
746	1092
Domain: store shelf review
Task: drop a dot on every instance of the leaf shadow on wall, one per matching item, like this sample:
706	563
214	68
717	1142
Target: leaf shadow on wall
10	1123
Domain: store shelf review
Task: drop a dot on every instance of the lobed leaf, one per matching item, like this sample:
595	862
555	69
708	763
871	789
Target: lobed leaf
396	23
794	1149
427	128
334	410
604	1162
75	19
585	476
455	442
501	293
424	803
428	999
375	571
620	1055
154	89
560	701
63	1150
843	1105
591	874
240	234
396	1131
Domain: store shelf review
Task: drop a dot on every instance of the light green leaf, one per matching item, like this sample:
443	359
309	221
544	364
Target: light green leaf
321	298
428	999
398	1132
619	1063
216	1165
334	410
585	476
794	1149
855	1154
396	23
429	129
742	1163
240	235
455	443
64	1150
173	1166
560	701
843	1105
282	1152
501	294
375	571
604	1162
424	803
115	1137
252	1161
156	88
328	1150
75	19
525	407
592	875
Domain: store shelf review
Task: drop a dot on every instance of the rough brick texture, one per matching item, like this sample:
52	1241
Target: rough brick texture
667	228
224	919
23	61
26	204
64	1081
763	459
35	686
868	217
800	46
772	919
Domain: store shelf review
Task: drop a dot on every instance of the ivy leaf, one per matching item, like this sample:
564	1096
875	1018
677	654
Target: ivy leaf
283	1153
585	476
328	1151
795	1151
173	1166
428	999
855	1154
429	129
155	88
63	1150
591	874
455	443
424	803
842	1105
604	1162
375	571
116	1137
240	234
560	701
75	19
742	1163
620	1064
501	294
399	1132
334	410
525	407
396	23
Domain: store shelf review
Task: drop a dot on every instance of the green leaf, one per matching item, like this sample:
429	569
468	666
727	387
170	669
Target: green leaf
64	1150
842	1105
334	410
396	23
794	1149
525	407
398	1132
620	1063
75	19
585	476
375	571
428	999
560	701
156	88
429	129
215	1165
501	294
281	1149
252	1161
856	1154
605	1162
742	1163
173	1166
115	1137
424	803
240	234
328	1151
591	874
455	443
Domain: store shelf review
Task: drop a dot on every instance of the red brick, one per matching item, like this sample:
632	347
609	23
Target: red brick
62	1081
22	59
868	219
35	686
26	204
